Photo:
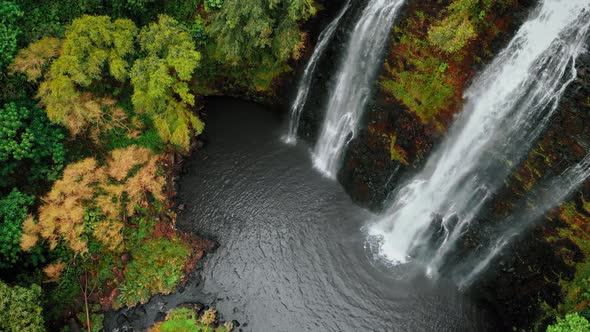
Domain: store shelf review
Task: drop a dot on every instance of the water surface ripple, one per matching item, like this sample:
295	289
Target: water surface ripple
291	252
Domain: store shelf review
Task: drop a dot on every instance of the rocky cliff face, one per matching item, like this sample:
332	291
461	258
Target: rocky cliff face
392	141
543	274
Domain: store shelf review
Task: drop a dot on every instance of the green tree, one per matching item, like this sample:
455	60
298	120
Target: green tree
20	309
13	211
161	80
259	37
571	323
94	46
214	4
9	13
31	148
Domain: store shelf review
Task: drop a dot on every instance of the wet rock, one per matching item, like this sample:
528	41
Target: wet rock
138	313
122	319
160	316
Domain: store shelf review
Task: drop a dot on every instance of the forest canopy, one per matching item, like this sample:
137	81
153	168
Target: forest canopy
98	101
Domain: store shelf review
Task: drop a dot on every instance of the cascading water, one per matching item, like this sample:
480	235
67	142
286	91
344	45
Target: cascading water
353	83
507	107
559	189
305	82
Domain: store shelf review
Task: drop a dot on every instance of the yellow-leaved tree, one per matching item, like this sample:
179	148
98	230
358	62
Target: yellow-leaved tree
161	80
115	190
94	49
458	27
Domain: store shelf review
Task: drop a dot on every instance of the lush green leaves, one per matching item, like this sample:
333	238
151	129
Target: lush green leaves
571	323
157	267
13	211
460	24
186	320
20	309
259	37
9	12
91	44
31	149
160	80
215	4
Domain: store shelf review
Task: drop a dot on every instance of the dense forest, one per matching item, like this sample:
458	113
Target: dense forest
102	101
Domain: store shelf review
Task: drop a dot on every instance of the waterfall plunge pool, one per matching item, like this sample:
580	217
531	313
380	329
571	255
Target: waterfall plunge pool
291	253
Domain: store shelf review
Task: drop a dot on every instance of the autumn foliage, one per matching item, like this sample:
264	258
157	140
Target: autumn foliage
32	61
128	180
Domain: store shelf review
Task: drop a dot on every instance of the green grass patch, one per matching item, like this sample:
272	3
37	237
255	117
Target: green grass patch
186	320
118	138
422	83
156	267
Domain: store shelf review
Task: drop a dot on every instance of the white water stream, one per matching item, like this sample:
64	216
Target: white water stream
508	106
353	83
305	82
560	188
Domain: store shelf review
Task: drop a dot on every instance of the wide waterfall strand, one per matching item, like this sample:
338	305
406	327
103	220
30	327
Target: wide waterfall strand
508	106
354	81
305	82
558	189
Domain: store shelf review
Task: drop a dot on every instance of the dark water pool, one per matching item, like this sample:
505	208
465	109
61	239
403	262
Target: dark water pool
291	253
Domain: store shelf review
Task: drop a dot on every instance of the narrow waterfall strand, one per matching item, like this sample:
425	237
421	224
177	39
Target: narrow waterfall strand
354	82
305	82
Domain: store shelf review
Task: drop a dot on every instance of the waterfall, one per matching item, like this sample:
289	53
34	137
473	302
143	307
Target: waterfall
353	82
305	82
559	188
508	106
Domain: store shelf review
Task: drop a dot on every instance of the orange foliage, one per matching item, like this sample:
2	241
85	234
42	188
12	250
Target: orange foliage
29	237
116	189
121	161
32	60
62	214
53	271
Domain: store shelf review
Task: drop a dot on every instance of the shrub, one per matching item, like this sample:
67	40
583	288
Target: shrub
451	35
256	39
571	323
185	320
31	148
20	309
215	4
9	12
157	266
13	211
